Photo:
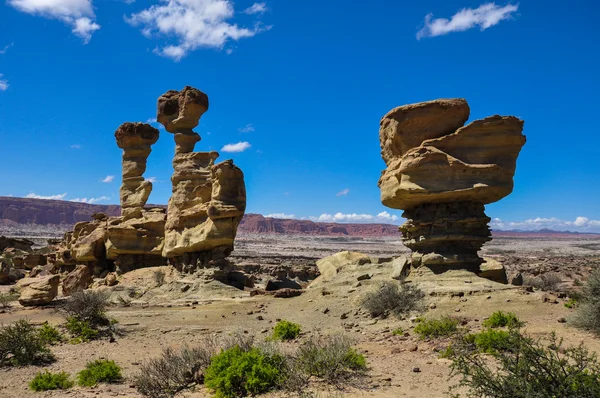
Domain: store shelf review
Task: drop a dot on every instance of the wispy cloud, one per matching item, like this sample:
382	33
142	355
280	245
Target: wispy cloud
78	14
383	217
151	179
580	224
484	16
193	24
280	215
239	147
256	8
343	192
247	128
90	200
108	179
75	146
53	197
5	49
3	83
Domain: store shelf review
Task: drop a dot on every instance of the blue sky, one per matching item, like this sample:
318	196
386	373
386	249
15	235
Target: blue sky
299	88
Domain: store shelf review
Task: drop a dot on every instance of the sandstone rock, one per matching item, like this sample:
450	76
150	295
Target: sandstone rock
111	279
331	265
77	280
400	267
493	270
287	293
41	291
282	284
15	243
5	268
517	280
442	174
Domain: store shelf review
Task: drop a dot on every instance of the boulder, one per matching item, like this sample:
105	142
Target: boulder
5	268
493	270
15	243
77	280
331	265
41	291
400	267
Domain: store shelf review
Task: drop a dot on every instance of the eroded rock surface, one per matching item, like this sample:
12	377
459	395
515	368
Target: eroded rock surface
40	291
442	173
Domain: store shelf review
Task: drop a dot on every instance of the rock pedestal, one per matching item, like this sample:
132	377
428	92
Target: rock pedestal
442	173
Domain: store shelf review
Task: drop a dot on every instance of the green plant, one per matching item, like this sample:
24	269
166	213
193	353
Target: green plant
501	319
285	330
235	372
81	330
173	371
587	313
571	303
20	345
44	381
530	369
331	358
7	298
398	332
49	335
99	371
447	352
490	341
433	328
392	298
88	306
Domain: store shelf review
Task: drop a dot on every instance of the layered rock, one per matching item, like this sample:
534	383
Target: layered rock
442	173
39	291
208	199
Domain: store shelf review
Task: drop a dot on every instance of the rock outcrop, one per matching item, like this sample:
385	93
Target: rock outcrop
442	173
208	199
39	291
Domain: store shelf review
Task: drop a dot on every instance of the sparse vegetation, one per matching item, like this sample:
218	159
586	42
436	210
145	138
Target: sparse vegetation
571	303
547	282
45	381
235	372
434	328
392	298
100	371
528	369
285	330
85	312
81	330
20	345
490	341
501	319
7	298
587	314
398	332
49	335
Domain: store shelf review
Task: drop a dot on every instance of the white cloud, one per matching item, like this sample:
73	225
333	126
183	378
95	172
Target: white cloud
90	200
151	179
193	23
3	83
484	16
239	147
343	192
247	128
384	215
256	8
280	215
5	49
79	14
75	146
54	197
580	224
108	179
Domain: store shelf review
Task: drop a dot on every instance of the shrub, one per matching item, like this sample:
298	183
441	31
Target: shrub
100	371
20	345
571	303
88	306
49	335
331	358
490	341
587	313
547	282
235	372
432	328
398	332
81	330
285	330
529	369
174	370
501	319
51	381
391	298
7	298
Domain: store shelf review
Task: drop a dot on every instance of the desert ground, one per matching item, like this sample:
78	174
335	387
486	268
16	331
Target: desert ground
163	314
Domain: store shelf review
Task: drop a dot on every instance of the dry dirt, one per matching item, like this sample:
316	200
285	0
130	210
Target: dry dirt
163	316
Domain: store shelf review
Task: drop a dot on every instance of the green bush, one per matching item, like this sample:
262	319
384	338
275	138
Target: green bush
501	319
49	335
331	358
285	330
51	381
571	303
100	371
490	341
398	332
20	345
587	313
81	330
530	369
433	328
392	298
235	372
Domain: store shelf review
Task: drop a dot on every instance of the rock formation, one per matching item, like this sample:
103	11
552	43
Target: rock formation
208	199
39	291
442	173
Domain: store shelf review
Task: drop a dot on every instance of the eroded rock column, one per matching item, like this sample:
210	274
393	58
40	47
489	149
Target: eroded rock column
442	173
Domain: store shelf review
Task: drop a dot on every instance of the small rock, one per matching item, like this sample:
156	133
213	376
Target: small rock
396	350
562	320
250	313
260	318
357	284
326	310
416	370
344	315
413	348
363	277
457	310
432	306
